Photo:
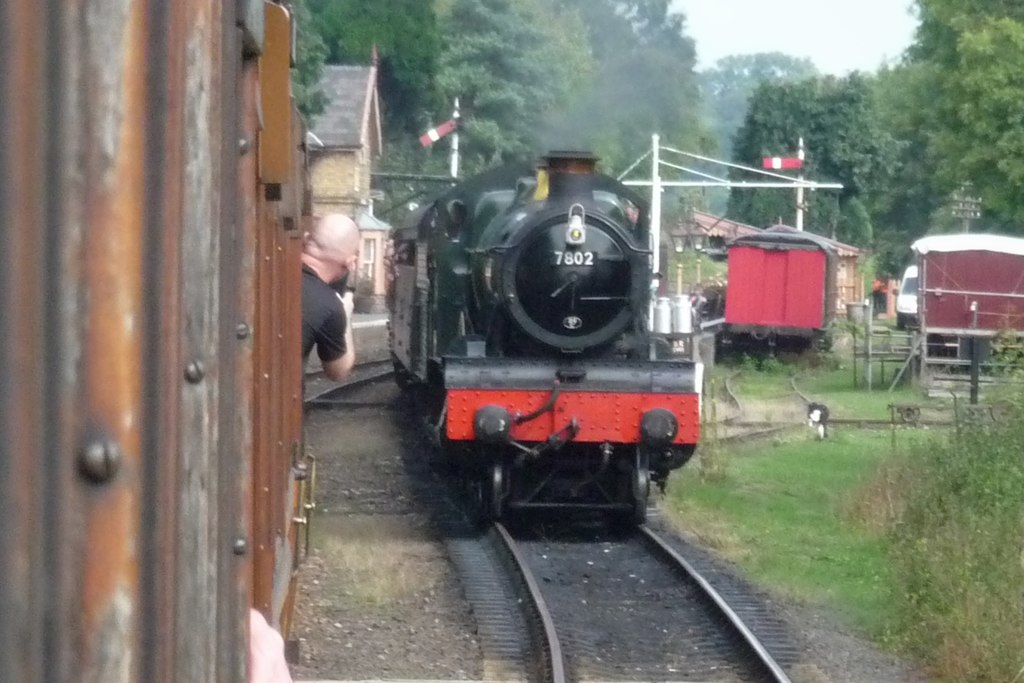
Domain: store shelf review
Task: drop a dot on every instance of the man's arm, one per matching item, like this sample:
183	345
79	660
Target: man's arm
340	368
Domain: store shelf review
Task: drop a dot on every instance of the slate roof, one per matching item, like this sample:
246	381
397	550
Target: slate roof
351	102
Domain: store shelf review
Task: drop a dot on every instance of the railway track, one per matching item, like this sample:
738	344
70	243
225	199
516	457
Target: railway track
557	605
738	426
613	608
324	393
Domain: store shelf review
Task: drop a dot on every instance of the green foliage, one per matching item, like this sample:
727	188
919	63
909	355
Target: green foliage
643	81
973	51
957	552
845	142
568	74
765	363
728	85
406	36
854	223
531	75
903	208
495	61
309	61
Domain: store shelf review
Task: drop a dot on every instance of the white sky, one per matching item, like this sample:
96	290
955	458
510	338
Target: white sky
838	35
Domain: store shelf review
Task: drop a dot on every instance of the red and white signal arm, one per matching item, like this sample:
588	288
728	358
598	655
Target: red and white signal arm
783	163
435	134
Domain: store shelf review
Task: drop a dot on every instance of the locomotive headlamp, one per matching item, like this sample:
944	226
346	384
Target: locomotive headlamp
576	233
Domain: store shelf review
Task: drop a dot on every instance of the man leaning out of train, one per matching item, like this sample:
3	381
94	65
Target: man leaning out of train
330	252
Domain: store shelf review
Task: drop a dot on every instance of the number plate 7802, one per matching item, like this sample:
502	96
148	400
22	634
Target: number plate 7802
574	258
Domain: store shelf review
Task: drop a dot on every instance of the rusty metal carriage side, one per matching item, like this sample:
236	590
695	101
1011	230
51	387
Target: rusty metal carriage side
26	445
130	346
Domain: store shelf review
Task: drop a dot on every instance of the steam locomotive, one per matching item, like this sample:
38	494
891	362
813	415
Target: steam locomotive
520	304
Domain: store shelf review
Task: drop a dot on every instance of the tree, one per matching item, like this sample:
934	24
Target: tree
494	62
845	141
645	81
310	55
903	207
974	53
405	34
726	88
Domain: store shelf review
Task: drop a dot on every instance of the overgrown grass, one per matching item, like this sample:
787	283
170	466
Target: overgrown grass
921	546
786	512
957	535
376	560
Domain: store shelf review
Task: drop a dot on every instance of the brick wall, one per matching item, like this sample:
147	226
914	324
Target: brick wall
341	181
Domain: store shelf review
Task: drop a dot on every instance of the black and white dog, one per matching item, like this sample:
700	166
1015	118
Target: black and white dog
817	417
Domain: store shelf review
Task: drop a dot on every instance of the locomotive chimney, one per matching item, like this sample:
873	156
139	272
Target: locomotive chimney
570	173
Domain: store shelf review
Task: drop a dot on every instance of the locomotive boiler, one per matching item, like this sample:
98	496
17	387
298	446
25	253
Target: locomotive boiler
519	303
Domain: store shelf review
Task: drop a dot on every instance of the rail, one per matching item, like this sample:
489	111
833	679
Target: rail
552	668
763	660
363	374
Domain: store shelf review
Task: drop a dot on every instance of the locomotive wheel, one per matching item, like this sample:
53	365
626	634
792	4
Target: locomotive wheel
477	499
403	378
496	491
641	475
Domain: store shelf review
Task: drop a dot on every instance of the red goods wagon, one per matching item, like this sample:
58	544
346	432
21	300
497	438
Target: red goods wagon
970	284
781	283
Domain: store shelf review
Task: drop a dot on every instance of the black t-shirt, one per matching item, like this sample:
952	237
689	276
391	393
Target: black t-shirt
323	319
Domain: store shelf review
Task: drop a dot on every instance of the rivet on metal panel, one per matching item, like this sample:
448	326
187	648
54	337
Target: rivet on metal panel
194	372
243	146
240	546
99	461
242	331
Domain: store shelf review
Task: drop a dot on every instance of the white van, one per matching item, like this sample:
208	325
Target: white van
906	300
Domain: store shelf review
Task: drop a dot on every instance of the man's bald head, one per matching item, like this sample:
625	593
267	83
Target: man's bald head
332	246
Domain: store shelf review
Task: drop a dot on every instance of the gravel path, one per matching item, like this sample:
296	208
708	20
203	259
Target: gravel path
378	598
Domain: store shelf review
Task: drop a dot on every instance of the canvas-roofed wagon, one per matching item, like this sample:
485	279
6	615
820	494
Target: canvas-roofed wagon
781	289
970	285
970	296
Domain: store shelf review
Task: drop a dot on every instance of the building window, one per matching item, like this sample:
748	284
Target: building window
369	257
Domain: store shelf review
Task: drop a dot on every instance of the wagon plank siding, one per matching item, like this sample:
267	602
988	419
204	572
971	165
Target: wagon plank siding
951	281
781	288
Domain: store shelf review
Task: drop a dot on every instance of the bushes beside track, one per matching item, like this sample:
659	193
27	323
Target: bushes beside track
956	522
915	536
